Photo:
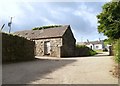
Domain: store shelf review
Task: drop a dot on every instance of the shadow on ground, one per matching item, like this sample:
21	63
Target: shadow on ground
26	72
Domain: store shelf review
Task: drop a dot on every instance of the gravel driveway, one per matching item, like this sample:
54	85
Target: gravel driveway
78	70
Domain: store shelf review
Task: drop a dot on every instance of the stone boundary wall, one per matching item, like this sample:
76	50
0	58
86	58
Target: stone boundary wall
81	51
15	48
84	51
111	51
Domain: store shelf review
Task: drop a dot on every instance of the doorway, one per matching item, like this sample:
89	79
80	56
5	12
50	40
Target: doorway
47	48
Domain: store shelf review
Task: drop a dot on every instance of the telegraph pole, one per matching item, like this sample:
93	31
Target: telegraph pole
9	24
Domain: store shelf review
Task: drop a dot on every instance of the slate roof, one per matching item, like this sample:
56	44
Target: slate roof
94	42
45	33
91	42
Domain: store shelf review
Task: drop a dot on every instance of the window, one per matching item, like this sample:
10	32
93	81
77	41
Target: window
97	46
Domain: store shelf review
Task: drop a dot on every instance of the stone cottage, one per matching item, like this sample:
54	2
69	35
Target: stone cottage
55	42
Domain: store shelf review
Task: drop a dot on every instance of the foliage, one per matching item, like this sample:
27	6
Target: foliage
108	41
109	20
117	51
81	46
46	27
92	52
83	50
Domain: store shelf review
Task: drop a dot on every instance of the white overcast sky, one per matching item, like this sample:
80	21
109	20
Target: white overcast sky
81	15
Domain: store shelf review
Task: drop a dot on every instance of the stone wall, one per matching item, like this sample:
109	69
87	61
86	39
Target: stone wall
68	48
55	44
82	50
111	51
15	48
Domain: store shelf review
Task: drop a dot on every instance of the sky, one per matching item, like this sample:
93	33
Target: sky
80	15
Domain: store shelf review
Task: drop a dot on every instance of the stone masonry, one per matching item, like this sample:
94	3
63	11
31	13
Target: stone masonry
55	44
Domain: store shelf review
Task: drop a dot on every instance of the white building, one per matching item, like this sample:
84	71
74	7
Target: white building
95	45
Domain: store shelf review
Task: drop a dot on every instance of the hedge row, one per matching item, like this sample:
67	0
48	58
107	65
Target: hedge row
117	51
82	50
15	48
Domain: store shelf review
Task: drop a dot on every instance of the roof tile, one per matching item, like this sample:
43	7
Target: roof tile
45	33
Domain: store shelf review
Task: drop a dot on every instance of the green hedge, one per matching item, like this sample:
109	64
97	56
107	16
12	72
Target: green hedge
82	50
117	51
46	27
15	48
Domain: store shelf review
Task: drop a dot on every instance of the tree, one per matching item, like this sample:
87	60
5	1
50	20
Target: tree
109	20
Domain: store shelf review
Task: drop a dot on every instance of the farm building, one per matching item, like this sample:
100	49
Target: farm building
55	42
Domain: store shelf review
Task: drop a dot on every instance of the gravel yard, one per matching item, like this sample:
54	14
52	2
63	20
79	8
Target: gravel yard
78	70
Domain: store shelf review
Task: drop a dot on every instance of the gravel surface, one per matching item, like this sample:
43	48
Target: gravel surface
78	70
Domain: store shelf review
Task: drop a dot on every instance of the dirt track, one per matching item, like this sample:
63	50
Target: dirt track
80	70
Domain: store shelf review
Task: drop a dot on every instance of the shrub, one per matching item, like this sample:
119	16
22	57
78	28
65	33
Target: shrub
46	27
117	51
81	46
92	52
